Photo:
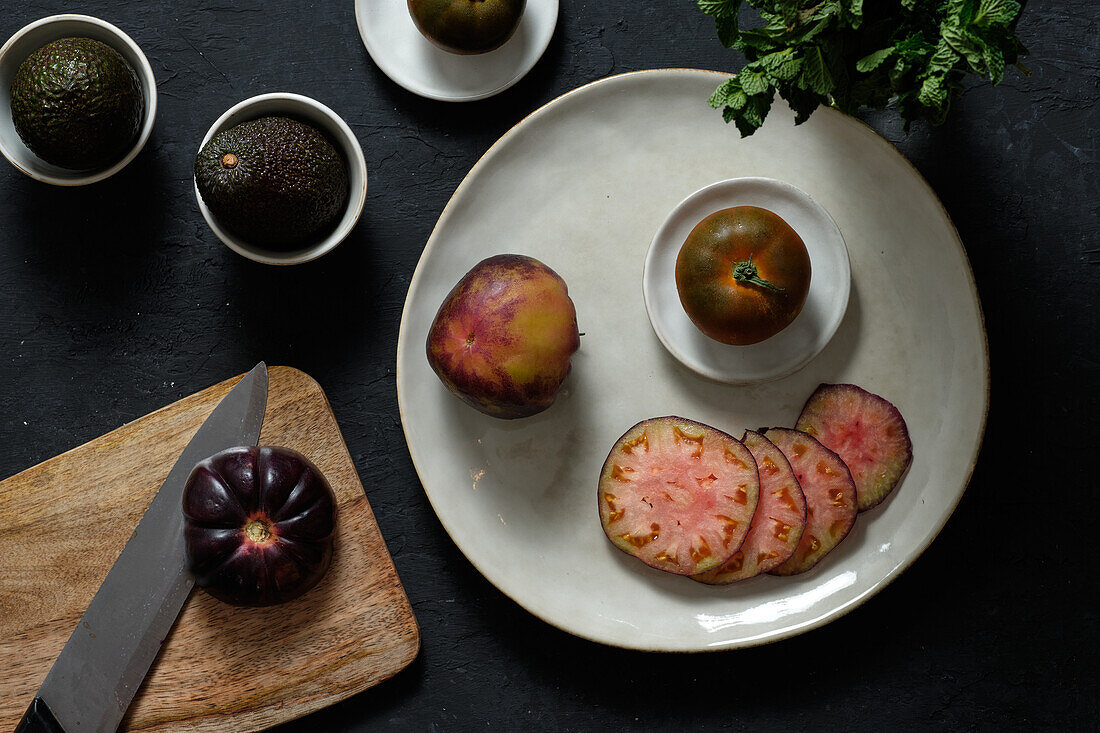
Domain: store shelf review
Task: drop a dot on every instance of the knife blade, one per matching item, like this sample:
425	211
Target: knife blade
91	684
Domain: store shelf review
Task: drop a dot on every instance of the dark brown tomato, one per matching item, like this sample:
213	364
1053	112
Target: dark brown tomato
467	26
258	525
743	275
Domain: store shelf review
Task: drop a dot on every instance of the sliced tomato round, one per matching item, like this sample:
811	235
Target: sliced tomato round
830	497
780	517
678	495
866	431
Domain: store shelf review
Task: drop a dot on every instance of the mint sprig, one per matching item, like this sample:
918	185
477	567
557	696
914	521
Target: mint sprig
849	54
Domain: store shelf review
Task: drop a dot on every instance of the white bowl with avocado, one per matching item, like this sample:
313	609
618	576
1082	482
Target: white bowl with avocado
35	36
320	118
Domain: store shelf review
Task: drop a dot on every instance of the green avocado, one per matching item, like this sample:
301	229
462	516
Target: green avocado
77	104
273	181
467	26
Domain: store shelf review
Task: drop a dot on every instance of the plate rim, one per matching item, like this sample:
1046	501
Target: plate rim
773	636
522	69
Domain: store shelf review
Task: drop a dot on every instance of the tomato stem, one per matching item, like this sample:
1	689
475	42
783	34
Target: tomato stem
745	272
258	531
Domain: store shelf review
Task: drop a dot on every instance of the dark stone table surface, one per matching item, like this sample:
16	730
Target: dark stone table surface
116	299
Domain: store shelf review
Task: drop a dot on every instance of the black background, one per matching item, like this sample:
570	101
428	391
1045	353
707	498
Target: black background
116	299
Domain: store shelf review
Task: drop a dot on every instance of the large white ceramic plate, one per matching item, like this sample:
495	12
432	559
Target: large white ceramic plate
409	59
582	184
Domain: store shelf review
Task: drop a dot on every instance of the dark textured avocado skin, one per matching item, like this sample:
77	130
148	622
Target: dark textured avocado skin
287	189
77	104
467	26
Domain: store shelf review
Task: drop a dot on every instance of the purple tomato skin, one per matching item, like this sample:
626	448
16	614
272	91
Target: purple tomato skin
504	337
258	525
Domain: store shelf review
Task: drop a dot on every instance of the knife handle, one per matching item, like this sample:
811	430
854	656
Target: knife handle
39	719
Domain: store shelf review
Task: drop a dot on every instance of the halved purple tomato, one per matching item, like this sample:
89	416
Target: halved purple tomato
779	520
678	495
830	497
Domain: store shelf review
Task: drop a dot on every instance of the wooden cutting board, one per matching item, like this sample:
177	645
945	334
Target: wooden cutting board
63	523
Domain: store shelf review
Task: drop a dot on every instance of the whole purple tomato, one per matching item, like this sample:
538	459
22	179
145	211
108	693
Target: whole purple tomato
258	524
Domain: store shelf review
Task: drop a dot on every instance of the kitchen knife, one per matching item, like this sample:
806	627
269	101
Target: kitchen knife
105	660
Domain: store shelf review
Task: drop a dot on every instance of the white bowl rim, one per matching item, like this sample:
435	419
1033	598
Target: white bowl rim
149	114
836	317
356	204
387	67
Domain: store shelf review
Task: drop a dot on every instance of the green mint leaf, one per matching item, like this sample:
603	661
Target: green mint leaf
962	12
967	45
721	95
872	61
752	115
944	59
786	14
913	47
994	64
825	9
908	55
728	31
720	8
815	74
810	32
754	82
746	127
996	12
729	94
781	65
933	93
802	102
854	8
758	40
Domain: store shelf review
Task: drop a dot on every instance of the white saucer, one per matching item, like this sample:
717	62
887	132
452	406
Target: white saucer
409	59
793	347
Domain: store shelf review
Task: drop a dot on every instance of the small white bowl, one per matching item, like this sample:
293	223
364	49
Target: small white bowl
311	111
793	347
34	36
412	61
